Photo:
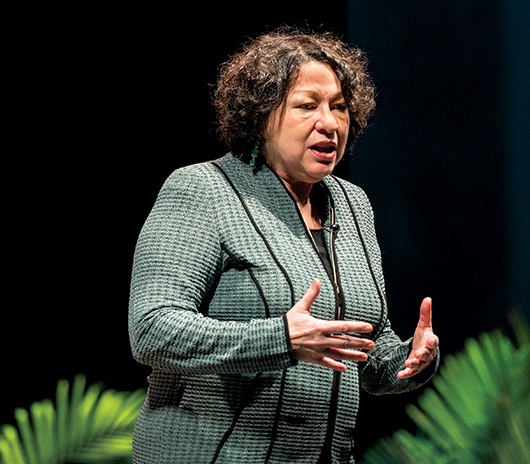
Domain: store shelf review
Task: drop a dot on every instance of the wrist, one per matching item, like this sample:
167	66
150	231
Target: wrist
290	350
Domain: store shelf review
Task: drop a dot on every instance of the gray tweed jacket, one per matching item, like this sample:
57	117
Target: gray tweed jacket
222	257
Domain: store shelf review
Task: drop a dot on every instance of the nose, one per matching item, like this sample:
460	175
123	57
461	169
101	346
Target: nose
326	123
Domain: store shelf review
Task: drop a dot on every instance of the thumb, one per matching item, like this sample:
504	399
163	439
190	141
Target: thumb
425	313
310	296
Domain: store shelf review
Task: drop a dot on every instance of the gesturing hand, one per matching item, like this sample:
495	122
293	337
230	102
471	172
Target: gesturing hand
314	340
424	343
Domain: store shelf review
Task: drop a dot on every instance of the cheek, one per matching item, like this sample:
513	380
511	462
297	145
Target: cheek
296	128
344	131
291	139
345	124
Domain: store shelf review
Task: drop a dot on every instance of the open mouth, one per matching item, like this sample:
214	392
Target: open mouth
324	150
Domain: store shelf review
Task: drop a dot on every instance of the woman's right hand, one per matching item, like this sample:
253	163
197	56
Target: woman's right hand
315	340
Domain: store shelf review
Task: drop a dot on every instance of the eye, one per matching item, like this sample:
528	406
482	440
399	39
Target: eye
307	106
341	107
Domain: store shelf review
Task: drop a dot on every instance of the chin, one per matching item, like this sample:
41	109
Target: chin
318	174
325	169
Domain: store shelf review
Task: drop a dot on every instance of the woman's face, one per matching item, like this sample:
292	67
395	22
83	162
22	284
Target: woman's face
306	136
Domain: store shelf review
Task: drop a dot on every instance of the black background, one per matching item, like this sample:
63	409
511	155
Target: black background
108	102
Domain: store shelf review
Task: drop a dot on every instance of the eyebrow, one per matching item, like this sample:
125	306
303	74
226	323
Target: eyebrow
315	94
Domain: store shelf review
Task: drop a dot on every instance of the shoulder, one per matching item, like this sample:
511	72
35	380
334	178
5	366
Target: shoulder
204	173
187	190
200	180
192	175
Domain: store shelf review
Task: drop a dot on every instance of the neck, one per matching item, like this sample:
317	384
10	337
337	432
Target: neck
300	191
303	194
311	206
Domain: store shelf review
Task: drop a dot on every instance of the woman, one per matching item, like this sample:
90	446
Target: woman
257	293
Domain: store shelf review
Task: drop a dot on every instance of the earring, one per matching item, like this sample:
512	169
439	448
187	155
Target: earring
254	153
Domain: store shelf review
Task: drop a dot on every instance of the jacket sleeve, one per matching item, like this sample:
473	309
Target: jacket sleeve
177	261
379	373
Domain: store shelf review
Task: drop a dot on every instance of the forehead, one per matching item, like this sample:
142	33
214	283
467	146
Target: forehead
316	78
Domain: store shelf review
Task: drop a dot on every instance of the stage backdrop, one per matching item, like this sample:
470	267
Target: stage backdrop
116	100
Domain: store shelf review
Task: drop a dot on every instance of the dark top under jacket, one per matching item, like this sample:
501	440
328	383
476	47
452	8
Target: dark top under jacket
222	257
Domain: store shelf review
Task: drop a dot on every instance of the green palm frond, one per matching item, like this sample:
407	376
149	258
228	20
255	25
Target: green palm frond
86	425
521	327
477	412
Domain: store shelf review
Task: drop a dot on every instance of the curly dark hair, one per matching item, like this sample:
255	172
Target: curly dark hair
254	82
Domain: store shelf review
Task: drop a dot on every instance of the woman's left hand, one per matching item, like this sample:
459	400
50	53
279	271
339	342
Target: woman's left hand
424	344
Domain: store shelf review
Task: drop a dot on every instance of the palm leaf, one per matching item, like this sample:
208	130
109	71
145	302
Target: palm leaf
86	425
521	327
478	410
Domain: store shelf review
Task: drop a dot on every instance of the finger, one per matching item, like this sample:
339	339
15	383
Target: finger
412	363
347	355
433	342
349	343
406	373
345	327
421	352
423	355
411	371
418	364
310	296
428	350
419	361
331	363
426	313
